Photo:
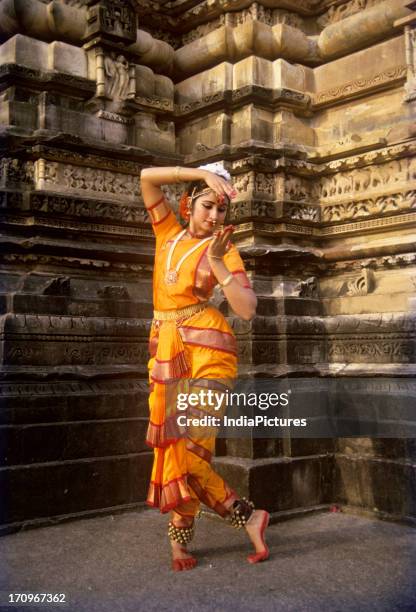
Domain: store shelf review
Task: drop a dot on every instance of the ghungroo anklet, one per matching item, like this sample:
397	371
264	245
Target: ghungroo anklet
182	535
241	511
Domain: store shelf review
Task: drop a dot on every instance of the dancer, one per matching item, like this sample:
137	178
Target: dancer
193	346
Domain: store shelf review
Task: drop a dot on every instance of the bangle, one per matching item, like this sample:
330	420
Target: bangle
214	257
177	169
227	280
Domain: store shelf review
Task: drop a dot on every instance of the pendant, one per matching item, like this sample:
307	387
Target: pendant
171	277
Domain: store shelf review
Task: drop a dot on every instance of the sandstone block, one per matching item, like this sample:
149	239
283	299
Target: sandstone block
25	51
209	82
67	58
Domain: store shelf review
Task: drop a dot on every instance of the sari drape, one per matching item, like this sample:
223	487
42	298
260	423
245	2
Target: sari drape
201	346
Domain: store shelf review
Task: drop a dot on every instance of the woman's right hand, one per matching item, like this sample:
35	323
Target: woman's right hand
219	184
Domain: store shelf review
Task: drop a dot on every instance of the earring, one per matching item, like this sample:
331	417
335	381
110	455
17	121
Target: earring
188	209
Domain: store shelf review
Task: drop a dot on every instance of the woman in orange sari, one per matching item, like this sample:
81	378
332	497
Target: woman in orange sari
191	347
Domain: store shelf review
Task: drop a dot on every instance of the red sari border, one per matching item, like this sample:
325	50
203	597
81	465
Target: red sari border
166	497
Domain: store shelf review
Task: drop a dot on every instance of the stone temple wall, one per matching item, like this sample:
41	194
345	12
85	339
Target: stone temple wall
310	104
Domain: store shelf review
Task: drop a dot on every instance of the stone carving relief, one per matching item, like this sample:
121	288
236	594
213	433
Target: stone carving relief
16	171
307	288
239	210
81	179
255	12
367	349
202	30
113	17
72	387
362	285
261	208
111	292
265	183
212	8
302	212
296	188
291	19
116	69
373	178
243	182
347	89
85	208
339	11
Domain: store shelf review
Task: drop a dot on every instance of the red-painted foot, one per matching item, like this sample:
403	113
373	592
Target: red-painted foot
178	565
264	554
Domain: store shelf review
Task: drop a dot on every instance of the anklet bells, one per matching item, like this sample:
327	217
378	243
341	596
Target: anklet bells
241	511
182	535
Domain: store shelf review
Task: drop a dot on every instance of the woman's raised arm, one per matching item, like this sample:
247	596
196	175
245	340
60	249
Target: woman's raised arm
152	178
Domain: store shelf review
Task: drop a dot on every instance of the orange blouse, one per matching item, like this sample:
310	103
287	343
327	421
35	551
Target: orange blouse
195	280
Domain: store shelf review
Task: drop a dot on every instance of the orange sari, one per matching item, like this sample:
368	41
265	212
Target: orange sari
201	346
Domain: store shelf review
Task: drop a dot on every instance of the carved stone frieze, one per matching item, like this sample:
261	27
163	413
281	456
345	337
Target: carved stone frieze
352	87
71	388
400	260
338	11
70	178
364	349
29	259
64	224
73	326
251	208
254	12
394	202
14	171
303	212
296	188
87	159
75	207
104	353
395	220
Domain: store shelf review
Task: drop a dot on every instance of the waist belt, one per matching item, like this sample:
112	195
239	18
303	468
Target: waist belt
179	313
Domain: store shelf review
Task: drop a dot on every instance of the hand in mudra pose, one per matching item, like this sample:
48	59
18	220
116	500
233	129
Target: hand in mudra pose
218	246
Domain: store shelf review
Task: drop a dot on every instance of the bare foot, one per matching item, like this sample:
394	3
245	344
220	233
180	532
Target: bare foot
181	558
255	527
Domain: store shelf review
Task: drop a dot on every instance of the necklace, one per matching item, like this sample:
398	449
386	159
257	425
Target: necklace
172	273
192	235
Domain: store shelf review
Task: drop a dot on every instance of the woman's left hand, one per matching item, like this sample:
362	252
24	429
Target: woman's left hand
218	246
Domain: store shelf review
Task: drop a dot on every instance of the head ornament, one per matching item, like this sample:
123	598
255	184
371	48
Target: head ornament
185	203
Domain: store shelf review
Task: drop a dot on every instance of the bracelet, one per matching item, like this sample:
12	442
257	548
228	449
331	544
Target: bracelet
214	257
227	280
177	169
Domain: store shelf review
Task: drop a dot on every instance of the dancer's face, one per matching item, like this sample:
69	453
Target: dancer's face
207	214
